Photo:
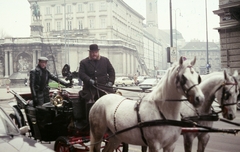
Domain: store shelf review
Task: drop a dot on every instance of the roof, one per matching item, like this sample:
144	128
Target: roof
200	46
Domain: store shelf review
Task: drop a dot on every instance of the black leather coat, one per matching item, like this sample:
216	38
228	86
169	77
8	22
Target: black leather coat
101	71
39	79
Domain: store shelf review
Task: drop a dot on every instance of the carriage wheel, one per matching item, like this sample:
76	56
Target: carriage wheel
62	145
14	119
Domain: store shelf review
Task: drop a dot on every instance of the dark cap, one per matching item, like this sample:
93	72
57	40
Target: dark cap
42	58
93	47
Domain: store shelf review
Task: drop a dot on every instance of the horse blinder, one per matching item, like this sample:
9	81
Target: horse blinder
199	79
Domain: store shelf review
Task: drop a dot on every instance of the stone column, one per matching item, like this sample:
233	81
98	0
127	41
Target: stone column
6	64
124	63
132	64
10	63
34	58
38	54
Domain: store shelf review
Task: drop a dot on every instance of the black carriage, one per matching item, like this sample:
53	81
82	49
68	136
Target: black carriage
54	121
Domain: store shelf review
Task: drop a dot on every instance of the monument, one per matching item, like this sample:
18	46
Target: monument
36	25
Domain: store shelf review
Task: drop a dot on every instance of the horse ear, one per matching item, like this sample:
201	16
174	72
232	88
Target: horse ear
225	75
181	60
193	61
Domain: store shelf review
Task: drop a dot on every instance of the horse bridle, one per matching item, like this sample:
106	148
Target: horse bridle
226	94
183	82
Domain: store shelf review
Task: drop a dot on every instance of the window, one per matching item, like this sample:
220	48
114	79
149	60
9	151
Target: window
48	27
69	8
80	8
150	7
91	23
91	7
48	11
80	24
58	9
59	26
103	6
69	25
103	23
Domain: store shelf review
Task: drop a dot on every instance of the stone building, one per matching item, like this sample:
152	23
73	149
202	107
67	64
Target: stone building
65	29
198	49
229	31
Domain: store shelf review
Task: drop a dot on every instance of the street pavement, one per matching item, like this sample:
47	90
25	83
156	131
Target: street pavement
6	99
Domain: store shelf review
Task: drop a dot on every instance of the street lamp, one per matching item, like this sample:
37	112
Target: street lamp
65	32
176	34
208	65
171	35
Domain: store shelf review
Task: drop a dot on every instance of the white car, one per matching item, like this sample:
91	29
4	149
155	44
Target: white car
148	84
123	81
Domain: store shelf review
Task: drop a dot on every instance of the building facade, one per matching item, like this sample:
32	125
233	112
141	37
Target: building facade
65	29
101	20
198	49
229	31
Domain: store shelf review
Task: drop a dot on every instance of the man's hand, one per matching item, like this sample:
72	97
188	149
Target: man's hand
35	101
109	84
70	84
92	82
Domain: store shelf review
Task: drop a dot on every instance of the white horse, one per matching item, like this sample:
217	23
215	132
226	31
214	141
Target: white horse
112	113
225	88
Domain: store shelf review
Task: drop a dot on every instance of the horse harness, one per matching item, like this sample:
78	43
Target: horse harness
142	124
226	94
214	115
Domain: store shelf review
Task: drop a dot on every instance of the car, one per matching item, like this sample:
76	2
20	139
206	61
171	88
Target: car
148	83
12	140
123	81
140	79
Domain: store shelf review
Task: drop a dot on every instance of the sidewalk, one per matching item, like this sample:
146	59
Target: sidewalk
4	96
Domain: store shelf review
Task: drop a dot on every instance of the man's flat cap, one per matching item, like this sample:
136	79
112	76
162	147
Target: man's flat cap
42	58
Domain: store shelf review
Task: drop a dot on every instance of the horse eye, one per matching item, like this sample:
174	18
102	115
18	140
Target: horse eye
226	95
183	80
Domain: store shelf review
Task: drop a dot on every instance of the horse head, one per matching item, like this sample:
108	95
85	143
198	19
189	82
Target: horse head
227	98
187	80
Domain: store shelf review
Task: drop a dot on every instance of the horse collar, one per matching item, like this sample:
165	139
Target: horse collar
136	107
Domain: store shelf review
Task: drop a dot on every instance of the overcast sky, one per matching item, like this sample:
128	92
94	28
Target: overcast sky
191	17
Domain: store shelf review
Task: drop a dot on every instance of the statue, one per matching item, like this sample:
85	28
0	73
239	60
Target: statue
35	11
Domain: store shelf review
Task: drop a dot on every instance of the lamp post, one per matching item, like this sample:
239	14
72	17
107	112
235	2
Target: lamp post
171	35
176	34
65	51
208	65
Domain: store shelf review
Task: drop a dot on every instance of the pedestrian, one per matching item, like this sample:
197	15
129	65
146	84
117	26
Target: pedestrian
39	78
95	70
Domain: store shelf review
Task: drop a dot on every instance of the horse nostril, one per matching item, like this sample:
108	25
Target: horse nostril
197	99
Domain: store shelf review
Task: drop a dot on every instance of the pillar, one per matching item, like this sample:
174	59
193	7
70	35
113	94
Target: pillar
10	63
6	64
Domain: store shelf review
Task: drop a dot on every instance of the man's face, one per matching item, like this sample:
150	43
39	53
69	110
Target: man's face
42	64
94	54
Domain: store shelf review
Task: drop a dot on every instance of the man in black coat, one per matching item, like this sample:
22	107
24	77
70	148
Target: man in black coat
95	70
39	78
